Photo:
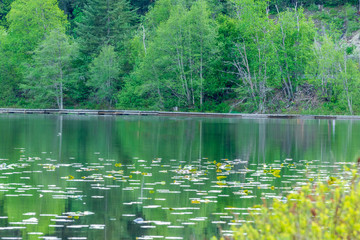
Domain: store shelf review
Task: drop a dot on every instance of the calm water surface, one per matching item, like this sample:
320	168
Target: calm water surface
90	177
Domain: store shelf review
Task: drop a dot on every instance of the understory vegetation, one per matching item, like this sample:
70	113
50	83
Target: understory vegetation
322	210
254	56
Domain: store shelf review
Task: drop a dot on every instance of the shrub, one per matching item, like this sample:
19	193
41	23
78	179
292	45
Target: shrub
328	210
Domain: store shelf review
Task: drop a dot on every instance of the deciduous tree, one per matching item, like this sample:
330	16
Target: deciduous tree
50	72
104	76
30	21
177	63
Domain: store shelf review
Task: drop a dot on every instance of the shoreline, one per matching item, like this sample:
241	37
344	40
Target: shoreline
165	113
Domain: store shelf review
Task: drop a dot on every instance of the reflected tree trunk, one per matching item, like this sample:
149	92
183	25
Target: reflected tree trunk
60	135
200	143
262	139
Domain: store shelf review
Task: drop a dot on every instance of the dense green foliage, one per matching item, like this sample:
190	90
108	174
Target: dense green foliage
104	75
50	73
318	211
239	55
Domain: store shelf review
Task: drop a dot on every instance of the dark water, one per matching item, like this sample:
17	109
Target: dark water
90	177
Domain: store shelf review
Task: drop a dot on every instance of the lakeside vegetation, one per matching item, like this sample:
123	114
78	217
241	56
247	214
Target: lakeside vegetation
254	56
318	210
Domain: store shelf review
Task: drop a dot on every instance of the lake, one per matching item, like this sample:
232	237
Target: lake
133	177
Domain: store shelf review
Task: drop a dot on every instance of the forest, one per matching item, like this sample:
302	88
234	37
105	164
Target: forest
253	56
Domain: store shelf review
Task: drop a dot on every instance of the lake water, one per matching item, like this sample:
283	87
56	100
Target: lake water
90	177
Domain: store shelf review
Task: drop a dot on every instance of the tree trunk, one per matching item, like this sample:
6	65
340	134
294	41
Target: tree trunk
61	78
346	87
158	87
144	37
182	76
201	74
61	88
191	67
61	96
250	81
108	21
108	82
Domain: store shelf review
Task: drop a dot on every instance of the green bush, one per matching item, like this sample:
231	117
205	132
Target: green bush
318	211
313	7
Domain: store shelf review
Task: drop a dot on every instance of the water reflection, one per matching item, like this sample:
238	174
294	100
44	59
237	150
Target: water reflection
90	177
